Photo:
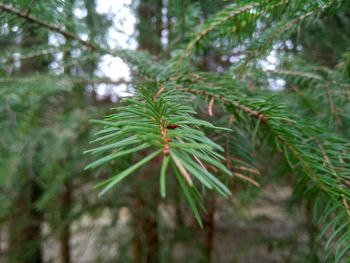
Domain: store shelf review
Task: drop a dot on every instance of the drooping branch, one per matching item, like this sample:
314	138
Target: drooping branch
70	80
210	25
131	58
37	53
101	81
27	16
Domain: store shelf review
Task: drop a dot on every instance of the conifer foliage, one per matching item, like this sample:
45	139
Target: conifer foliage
160	122
192	116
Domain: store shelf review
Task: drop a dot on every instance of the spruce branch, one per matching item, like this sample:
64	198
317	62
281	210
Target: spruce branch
63	80
238	105
32	19
289	138
328	161
315	81
294	73
307	75
133	58
259	47
34	54
159	122
220	18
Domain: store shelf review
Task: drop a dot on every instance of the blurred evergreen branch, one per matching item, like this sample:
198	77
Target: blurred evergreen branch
158	122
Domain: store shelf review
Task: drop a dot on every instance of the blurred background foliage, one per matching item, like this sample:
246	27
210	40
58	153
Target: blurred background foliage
289	60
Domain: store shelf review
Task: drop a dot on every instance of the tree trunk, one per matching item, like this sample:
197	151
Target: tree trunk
32	232
146	241
209	228
25	227
66	200
150	25
312	234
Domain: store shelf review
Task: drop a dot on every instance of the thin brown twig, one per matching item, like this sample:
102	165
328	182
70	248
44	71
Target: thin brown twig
160	90
247	169
236	104
246	178
332	108
328	161
182	170
210	107
228	139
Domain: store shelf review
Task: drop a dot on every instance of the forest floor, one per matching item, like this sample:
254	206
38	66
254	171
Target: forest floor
265	232
272	234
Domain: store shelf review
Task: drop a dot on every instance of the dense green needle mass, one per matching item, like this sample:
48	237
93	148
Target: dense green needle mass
224	101
161	122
